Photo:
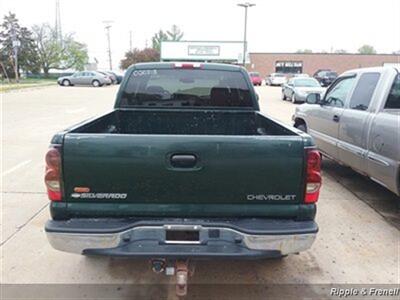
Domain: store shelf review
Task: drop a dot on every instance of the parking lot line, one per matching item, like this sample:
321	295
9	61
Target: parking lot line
16	167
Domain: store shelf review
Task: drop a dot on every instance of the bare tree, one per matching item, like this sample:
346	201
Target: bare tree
175	34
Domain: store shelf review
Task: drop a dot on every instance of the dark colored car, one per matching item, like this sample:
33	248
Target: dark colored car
255	78
325	77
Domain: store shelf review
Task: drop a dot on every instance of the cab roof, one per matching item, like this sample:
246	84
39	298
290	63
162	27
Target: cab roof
380	69
172	65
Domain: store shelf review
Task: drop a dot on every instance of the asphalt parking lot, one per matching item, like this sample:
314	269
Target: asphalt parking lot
358	242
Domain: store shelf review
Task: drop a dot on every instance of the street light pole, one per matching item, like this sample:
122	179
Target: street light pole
246	6
15	46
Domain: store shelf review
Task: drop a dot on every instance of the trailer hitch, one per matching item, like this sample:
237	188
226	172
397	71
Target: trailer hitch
182	269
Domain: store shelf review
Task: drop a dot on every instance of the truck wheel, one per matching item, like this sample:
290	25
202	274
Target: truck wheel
301	127
283	96
294	98
66	82
95	83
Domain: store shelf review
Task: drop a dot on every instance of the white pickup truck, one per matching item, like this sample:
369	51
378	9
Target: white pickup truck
357	123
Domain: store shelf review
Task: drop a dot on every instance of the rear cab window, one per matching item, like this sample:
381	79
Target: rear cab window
364	91
393	100
186	88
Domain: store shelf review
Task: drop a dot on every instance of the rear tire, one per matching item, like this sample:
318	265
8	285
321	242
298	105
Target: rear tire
302	127
283	96
66	82
96	83
294	101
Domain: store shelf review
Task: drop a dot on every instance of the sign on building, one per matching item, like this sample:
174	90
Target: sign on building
202	51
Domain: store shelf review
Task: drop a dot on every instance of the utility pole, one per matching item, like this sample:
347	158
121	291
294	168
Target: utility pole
246	6
107	26
58	22
130	41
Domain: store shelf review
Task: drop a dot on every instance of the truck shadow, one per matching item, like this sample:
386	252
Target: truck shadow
214	279
386	203
208	272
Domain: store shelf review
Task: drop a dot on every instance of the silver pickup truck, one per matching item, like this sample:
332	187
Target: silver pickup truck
357	122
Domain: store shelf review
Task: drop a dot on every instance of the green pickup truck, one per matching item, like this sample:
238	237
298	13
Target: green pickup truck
184	167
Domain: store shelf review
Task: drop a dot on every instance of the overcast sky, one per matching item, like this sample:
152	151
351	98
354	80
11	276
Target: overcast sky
273	26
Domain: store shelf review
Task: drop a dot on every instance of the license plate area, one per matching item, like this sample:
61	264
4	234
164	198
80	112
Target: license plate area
182	236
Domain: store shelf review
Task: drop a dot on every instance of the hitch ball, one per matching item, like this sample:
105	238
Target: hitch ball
158	265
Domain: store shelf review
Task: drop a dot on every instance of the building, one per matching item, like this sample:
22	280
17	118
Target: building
266	63
203	51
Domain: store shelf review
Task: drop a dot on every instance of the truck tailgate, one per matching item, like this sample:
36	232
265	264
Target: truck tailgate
183	169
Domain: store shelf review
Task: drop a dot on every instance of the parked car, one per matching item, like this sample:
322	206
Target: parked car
301	75
357	123
93	78
111	76
255	78
118	77
275	79
325	77
173	173
297	89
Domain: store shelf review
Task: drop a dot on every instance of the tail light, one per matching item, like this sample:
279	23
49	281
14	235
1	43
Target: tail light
187	66
313	183
52	177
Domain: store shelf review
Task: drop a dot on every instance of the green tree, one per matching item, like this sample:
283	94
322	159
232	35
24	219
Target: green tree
136	56
367	49
27	52
75	54
175	34
157	39
53	54
304	51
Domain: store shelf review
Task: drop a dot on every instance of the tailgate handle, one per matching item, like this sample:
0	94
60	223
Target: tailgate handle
183	160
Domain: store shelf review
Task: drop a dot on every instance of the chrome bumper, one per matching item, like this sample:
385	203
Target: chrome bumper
227	239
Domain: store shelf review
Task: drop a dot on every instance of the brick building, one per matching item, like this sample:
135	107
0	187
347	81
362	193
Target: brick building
309	63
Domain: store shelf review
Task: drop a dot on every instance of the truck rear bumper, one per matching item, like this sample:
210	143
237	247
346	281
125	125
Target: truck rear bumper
182	238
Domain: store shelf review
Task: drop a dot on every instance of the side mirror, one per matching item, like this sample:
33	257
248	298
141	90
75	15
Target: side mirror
313	98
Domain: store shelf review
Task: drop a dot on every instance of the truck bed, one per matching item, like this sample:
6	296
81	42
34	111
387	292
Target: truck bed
134	164
190	122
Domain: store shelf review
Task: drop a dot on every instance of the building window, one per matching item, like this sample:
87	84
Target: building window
289	67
